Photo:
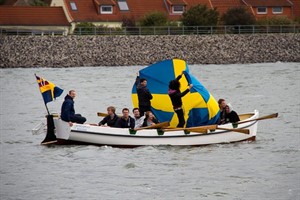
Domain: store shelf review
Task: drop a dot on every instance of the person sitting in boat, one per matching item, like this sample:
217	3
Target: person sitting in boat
150	119
125	121
111	118
139	120
222	105
230	115
175	95
144	95
68	111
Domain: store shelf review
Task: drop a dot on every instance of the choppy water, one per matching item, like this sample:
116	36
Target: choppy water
268	168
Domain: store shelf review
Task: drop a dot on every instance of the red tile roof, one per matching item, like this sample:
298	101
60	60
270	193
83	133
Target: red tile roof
33	16
176	2
268	3
105	2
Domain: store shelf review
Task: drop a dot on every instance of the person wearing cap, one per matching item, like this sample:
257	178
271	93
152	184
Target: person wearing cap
144	95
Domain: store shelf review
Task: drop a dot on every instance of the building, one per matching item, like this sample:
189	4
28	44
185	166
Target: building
111	13
270	8
37	20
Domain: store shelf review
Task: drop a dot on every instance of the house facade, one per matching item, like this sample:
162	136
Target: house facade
63	15
111	13
270	8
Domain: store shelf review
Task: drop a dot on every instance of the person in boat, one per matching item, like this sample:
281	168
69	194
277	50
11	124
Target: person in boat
222	105
111	118
125	121
176	95
150	119
68	111
139	120
144	95
230	115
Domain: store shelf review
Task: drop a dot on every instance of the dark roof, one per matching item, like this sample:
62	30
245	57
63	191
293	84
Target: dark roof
33	16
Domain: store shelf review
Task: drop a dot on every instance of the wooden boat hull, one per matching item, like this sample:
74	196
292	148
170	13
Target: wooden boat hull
123	137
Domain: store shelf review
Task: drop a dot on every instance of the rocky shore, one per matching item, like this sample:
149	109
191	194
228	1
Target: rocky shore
71	51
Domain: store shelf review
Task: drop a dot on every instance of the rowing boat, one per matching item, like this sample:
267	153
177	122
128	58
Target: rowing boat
124	137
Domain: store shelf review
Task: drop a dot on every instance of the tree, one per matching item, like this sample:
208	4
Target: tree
128	22
154	19
38	3
238	16
200	15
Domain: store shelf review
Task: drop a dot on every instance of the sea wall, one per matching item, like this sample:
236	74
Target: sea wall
70	51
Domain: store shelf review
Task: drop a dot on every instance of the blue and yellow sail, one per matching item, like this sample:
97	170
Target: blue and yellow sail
48	90
199	105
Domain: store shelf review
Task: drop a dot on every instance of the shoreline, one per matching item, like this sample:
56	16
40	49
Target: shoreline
81	51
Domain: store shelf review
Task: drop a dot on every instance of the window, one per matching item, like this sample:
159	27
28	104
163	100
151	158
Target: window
178	9
123	5
106	10
277	10
73	6
261	10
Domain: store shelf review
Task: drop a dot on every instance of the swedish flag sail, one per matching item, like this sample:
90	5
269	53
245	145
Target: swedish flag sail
200	107
48	90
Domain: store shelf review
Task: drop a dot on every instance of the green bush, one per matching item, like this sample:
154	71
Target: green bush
154	19
85	28
278	20
200	15
297	20
38	3
238	16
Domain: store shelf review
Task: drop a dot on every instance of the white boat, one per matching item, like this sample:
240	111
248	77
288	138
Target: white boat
123	137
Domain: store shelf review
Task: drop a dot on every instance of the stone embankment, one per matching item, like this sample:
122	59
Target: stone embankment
71	51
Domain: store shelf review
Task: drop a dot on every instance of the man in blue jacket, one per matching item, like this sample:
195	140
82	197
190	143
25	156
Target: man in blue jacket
68	112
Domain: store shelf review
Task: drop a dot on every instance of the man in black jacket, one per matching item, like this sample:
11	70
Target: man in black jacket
68	111
111	118
126	121
144	95
175	95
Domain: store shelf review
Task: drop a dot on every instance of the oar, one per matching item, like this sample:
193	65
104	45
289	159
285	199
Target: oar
200	129
155	126
100	114
245	131
274	115
203	129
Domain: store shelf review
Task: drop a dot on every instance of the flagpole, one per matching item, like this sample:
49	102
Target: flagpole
44	100
47	109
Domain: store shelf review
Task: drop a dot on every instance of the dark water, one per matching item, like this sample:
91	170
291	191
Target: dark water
268	168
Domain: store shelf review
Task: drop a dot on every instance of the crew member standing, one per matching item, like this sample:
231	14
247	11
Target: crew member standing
144	95
175	95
